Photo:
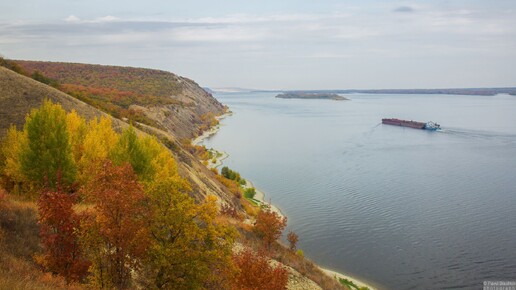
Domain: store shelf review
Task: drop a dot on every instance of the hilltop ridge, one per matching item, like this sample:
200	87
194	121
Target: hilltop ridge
157	98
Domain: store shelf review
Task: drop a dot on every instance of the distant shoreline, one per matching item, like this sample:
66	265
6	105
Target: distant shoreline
447	91
314	96
260	196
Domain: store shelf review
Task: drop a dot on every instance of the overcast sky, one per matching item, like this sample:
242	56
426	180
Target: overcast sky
277	44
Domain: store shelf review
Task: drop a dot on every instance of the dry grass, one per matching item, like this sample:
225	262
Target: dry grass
18	223
19	242
305	267
17	273
21	94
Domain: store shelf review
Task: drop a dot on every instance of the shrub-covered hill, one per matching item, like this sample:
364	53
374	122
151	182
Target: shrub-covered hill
20	94
152	97
19	232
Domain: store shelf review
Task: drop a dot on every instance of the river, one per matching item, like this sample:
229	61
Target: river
399	207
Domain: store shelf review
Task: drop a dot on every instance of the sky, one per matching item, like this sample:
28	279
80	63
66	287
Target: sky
262	44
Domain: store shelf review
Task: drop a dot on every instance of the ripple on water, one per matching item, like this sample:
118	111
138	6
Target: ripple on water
407	209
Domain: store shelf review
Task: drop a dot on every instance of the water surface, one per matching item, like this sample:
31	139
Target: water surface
403	208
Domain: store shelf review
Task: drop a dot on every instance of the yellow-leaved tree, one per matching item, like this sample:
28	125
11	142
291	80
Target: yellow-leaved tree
99	141
15	141
188	249
76	131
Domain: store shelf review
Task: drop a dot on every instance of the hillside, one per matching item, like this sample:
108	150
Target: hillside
21	94
153	97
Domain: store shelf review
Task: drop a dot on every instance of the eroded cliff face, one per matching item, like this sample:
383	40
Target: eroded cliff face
188	118
173	103
20	94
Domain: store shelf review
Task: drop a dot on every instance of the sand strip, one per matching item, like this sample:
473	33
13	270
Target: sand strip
337	275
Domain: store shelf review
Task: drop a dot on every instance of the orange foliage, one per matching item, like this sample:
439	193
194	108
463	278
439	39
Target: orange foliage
256	273
117	235
59	224
269	225
197	150
292	238
208	121
233	186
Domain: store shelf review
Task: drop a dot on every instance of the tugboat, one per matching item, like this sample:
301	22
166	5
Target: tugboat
432	126
412	124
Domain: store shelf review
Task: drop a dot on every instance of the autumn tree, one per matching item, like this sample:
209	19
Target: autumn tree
12	146
130	148
58	231
292	239
115	235
188	249
269	225
98	144
48	147
76	126
255	272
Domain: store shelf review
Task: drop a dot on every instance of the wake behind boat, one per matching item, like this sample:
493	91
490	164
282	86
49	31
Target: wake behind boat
412	124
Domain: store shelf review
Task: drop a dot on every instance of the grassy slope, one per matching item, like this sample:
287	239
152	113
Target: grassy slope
20	94
167	101
141	81
19	242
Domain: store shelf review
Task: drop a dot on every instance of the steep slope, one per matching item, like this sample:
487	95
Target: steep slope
20	94
172	103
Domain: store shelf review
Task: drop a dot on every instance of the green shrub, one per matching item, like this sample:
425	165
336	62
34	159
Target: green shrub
250	193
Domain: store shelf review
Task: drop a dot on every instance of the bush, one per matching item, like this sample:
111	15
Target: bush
292	238
232	175
269	225
250	193
255	272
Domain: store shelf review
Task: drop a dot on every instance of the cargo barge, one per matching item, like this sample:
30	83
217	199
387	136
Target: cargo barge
412	124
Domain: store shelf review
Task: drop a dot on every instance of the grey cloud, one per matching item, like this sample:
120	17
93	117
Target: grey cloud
404	9
88	28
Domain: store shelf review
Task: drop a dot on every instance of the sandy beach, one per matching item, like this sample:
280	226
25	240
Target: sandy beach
260	196
211	131
337	275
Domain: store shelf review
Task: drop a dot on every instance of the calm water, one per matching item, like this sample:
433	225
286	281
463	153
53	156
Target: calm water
402	208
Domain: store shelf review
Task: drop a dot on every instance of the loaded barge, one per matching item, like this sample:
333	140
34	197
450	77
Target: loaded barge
412	124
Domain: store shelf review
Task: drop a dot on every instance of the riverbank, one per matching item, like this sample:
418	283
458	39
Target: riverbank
219	156
212	131
337	275
260	196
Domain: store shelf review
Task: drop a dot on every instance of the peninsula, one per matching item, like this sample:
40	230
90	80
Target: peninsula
325	96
